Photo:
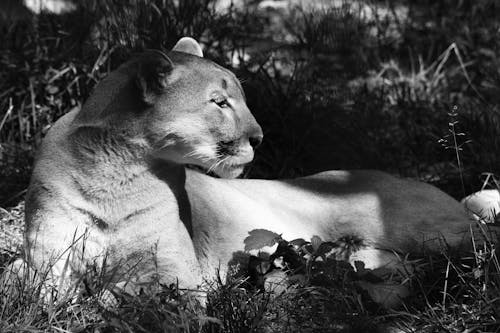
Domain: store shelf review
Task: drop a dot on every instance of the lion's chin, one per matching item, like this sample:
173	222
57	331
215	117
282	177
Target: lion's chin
230	171
222	171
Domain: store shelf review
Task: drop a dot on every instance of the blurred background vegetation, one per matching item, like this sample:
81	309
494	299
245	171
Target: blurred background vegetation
406	86
400	86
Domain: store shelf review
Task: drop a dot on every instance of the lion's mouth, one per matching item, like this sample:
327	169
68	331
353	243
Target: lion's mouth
212	171
202	170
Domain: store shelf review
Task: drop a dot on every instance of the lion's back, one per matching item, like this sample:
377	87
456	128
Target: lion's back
408	208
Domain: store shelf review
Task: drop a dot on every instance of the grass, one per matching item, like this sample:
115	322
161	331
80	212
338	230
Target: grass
333	88
450	293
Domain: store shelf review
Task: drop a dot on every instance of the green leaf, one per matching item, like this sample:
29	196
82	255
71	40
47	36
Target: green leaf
324	248
316	242
308	248
297	243
259	238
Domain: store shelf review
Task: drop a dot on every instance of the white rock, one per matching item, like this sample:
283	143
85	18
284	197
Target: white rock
483	205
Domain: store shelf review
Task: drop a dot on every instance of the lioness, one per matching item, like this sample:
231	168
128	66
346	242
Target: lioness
110	181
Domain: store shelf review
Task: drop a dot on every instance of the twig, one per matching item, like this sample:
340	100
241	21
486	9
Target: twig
445	290
33	104
6	115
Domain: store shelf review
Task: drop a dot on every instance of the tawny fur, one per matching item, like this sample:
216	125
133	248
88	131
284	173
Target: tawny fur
113	175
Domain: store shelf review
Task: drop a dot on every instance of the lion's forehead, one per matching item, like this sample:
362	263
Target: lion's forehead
205	73
219	77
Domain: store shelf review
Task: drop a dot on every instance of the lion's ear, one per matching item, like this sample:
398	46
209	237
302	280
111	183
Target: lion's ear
154	70
188	45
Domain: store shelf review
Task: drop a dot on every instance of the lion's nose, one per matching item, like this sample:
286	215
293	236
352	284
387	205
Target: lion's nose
255	138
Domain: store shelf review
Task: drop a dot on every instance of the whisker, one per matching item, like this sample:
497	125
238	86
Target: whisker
218	163
214	166
198	154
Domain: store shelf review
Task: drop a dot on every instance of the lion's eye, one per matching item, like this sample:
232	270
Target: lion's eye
221	101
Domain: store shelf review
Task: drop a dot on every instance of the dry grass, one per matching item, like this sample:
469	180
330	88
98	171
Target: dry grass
450	293
332	89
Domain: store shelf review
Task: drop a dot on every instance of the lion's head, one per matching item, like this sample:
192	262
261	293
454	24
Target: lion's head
190	110
198	113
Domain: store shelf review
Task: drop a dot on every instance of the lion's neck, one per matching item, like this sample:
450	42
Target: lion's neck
114	169
110	164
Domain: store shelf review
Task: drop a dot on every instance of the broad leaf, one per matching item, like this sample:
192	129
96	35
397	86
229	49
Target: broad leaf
259	238
298	242
324	248
316	242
